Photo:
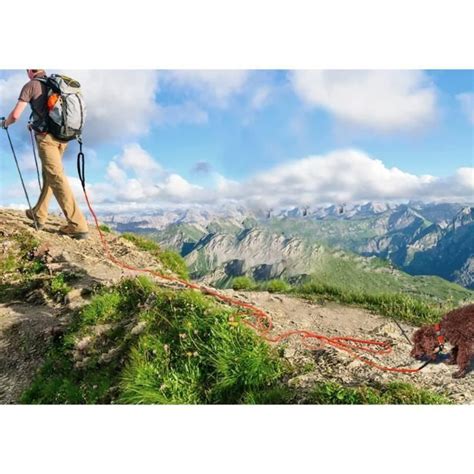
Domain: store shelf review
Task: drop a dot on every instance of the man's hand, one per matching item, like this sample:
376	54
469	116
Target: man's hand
2	123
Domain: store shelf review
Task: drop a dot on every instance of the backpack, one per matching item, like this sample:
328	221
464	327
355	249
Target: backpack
65	106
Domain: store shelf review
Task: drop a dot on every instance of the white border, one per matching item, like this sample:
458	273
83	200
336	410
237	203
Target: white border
240	34
230	34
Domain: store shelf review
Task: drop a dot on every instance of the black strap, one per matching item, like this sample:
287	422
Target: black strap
81	165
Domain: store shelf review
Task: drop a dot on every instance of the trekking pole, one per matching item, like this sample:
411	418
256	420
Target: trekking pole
34	154
21	177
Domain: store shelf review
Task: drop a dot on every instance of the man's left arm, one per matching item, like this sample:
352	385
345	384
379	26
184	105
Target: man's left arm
15	114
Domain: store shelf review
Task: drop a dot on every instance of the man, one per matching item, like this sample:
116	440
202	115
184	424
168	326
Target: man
51	152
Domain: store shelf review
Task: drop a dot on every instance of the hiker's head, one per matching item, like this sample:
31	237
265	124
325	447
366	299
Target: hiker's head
32	73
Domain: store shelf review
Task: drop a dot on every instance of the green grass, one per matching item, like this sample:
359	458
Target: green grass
398	306
169	258
19	257
277	286
19	268
186	351
355	274
137	343
142	243
105	228
8	263
243	283
393	393
175	263
59	287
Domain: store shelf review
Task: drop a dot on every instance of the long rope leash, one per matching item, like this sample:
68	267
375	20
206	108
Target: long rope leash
262	322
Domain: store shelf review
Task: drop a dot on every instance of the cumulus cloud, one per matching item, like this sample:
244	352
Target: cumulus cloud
466	100
116	174
10	88
134	176
176	189
124	105
340	176
136	159
384	101
349	176
120	104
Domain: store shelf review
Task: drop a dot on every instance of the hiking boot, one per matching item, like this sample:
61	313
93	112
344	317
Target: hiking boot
73	233
32	217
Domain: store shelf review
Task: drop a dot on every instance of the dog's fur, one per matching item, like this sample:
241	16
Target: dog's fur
457	327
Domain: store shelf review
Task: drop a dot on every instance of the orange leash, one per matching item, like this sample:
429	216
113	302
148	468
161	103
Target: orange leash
263	323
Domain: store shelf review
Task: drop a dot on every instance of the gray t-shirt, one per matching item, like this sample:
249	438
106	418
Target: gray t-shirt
34	92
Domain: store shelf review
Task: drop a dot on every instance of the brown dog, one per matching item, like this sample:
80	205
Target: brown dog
457	328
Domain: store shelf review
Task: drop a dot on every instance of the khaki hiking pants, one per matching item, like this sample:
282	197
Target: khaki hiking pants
55	183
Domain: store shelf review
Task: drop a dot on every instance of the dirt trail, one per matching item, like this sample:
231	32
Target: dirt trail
27	328
332	319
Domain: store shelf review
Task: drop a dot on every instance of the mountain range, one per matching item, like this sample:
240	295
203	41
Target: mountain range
418	238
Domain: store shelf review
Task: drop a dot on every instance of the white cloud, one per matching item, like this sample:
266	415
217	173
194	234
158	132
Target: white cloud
134	176
384	101
213	86
136	159
120	104
340	176
175	188
115	174
467	104
10	90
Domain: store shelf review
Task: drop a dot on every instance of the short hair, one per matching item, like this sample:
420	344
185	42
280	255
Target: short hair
35	71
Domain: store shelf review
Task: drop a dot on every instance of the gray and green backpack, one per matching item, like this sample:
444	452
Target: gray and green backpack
65	106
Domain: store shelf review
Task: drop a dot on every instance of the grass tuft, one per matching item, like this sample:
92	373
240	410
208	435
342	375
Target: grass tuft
105	228
399	393
138	343
243	283
59	287
170	259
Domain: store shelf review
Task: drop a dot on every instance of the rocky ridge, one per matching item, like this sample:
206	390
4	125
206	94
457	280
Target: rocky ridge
28	326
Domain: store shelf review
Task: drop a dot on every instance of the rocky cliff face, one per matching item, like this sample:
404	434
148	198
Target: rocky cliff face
254	252
451	253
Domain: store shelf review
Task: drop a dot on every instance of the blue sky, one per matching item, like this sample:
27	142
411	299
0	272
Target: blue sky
263	138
